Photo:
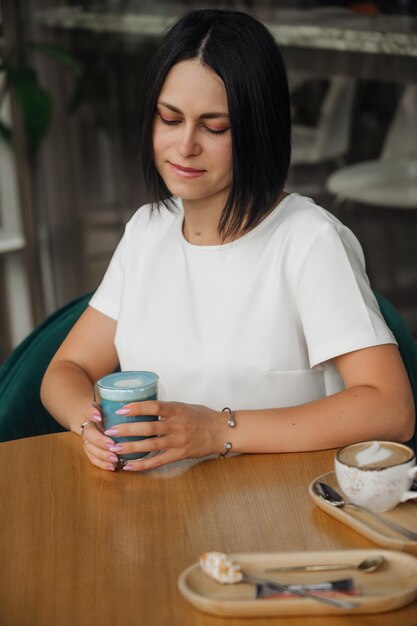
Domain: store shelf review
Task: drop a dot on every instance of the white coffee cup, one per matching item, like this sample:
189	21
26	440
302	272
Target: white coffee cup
376	474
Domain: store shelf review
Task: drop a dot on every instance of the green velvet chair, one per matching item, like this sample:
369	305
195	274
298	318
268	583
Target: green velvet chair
407	346
21	411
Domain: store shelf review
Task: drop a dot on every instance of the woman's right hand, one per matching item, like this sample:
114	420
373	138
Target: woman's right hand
100	449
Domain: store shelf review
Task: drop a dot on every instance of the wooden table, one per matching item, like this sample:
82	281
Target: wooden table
81	546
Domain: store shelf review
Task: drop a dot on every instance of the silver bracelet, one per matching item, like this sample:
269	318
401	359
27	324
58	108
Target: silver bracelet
231	422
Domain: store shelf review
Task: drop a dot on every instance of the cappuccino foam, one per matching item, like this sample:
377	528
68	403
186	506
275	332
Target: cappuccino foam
375	454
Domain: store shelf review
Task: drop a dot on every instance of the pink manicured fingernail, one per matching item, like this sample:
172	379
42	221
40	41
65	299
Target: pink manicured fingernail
96	418
116	448
128	467
122	411
111	431
111	468
112	457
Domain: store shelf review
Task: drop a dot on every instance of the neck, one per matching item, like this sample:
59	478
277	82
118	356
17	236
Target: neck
201	222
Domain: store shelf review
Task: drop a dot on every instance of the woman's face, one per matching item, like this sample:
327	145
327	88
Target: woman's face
191	135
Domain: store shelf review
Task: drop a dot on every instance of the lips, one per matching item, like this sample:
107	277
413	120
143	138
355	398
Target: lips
185	172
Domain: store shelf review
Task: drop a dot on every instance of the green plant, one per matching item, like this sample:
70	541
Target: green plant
36	103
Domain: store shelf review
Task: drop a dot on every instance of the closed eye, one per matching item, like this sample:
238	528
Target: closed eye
168	122
221	131
212	131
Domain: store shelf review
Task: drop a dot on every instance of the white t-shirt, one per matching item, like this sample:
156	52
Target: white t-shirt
250	324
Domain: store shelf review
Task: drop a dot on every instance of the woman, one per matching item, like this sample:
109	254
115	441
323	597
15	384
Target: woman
236	293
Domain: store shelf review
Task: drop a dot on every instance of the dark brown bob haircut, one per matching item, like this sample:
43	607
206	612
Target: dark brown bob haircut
243	52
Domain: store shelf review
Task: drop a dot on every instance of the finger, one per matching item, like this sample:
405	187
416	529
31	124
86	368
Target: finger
138	429
102	454
95	460
92	432
92	435
149	407
167	456
94	412
150	444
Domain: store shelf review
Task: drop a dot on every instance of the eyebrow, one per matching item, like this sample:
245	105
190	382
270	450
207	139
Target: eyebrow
204	116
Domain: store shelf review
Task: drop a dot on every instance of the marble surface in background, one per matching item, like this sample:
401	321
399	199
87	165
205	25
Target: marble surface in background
323	28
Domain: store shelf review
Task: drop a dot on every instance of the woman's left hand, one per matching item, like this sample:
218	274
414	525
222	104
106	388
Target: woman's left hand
183	431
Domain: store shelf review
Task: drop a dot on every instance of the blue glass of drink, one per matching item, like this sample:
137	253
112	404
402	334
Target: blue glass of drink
120	388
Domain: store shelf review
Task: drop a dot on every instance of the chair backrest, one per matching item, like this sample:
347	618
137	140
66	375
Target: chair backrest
407	346
401	138
21	411
329	139
335	120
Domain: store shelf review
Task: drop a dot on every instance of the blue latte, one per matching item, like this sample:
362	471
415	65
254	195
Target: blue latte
120	388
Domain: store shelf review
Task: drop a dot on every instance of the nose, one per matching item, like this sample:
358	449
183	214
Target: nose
188	143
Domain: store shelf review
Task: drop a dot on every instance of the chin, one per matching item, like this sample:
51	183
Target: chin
185	190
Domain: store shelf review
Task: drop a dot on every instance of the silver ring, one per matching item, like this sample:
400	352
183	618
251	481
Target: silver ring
84	425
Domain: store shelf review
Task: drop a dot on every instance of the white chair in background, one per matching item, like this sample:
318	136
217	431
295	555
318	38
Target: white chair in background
329	139
317	148
389	181
378	200
16	305
401	137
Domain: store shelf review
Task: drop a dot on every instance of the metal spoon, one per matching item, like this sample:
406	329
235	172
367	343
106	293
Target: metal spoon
368	565
299	591
240	576
334	498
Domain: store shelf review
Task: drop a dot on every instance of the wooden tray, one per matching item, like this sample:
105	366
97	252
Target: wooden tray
392	586
404	514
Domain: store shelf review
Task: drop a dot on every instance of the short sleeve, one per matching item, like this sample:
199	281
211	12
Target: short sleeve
108	296
337	308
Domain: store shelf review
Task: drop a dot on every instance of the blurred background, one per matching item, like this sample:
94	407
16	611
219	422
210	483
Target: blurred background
70	77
